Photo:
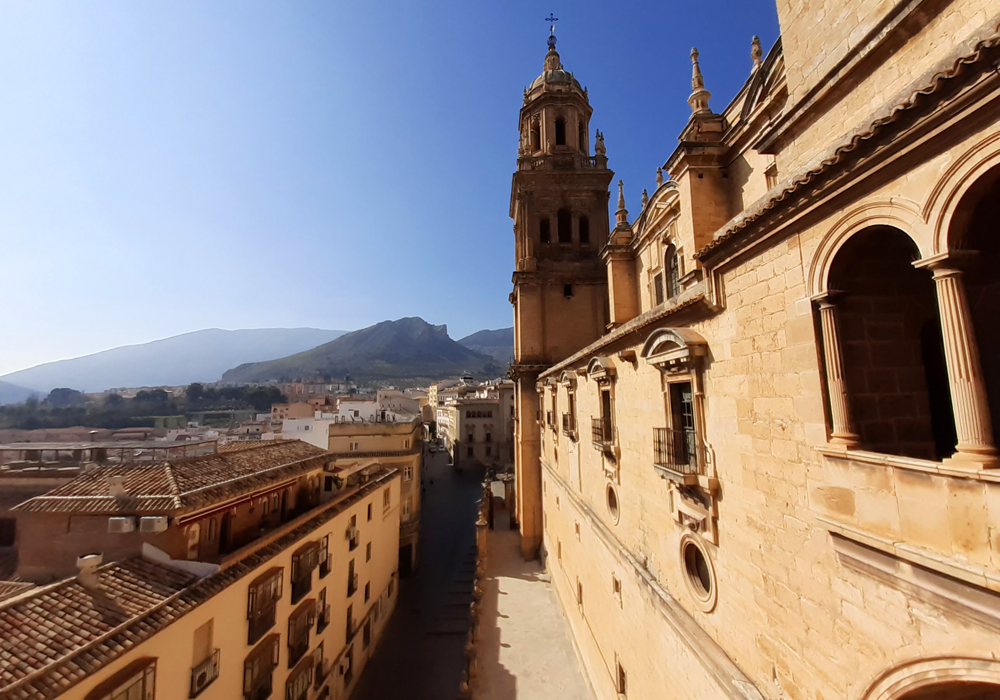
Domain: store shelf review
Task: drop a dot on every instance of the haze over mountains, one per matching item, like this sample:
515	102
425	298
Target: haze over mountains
499	344
409	349
201	356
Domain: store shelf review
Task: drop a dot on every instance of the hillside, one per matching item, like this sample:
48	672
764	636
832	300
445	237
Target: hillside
201	356
407	349
498	344
12	393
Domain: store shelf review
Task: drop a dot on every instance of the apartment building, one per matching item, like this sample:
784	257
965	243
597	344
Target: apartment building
756	420
236	574
398	444
476	424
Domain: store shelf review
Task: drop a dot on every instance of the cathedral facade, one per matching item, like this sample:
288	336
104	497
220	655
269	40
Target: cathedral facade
756	420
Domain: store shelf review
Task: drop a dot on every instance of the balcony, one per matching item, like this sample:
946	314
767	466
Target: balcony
297	648
678	455
603	433
204	674
301	587
321	671
352	585
353	538
261	691
325	566
260	623
569	425
323	620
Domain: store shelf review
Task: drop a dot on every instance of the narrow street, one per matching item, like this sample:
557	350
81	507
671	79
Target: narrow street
421	654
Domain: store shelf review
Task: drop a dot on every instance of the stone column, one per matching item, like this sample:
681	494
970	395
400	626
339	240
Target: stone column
843	432
965	374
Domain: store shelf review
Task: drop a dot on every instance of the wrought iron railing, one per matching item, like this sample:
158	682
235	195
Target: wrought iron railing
301	587
297	648
326	565
323	619
262	690
204	674
678	451
260	623
603	432
352	585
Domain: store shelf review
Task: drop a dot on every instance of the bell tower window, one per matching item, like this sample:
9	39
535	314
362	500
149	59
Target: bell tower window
544	230
581	136
584	229
673	272
536	136
564	223
560	131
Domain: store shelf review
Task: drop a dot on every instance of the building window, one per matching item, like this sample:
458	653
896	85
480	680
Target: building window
489	437
658	288
584	230
406	444
700	573
297	685
386	499
368	552
568	291
262	597
368	591
672	265
258	669
304	560
576	530
407	473
616	588
469	451
579	593
564	225
300	624
771	175
137	681
354	447
560	131
369	512
559	550
213	526
612	499
407	506
544	230
622	684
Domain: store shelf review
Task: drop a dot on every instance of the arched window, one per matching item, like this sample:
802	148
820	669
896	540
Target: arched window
536	136
560	131
564	224
581	136
544	230
584	229
672	267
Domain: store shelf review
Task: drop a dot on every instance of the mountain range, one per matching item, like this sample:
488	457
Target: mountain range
201	356
499	344
407	350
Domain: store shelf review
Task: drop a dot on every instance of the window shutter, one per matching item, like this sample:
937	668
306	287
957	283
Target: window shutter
251	602
295	567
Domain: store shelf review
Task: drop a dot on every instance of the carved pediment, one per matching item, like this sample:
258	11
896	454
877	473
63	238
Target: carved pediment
673	349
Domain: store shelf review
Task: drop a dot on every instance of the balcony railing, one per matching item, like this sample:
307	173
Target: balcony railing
325	566
260	623
323	620
569	425
301	587
297	648
603	432
352	585
261	691
321	672
204	674
678	454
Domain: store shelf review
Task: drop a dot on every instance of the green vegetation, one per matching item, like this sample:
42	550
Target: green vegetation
64	408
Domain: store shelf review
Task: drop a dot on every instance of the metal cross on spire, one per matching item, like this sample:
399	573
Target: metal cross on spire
552	19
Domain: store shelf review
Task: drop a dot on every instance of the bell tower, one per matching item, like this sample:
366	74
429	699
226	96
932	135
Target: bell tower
559	204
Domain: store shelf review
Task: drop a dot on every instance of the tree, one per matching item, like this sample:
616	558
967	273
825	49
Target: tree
152	396
62	398
195	392
113	400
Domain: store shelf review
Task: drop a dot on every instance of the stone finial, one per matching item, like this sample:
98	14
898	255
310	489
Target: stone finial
599	147
525	96
645	198
699	95
756	52
659	176
622	213
552	61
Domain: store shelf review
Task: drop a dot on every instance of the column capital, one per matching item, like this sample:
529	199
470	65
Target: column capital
947	264
827	299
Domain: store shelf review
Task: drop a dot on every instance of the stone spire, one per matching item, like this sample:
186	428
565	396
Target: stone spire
622	214
756	53
552	61
659	176
699	95
645	197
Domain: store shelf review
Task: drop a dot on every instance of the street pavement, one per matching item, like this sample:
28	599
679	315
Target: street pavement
421	653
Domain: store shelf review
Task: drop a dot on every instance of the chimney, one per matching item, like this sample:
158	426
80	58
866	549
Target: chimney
116	485
87	566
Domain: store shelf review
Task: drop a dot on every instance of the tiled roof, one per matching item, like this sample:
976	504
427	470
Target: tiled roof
170	487
40	628
58	635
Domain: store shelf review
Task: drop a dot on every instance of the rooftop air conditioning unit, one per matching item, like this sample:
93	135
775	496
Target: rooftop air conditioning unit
155	523
121	525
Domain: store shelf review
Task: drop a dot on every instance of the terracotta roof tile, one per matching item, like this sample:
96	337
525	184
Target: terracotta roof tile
171	487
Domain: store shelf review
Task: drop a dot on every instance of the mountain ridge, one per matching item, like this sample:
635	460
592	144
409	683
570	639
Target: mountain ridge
196	356
408	348
499	343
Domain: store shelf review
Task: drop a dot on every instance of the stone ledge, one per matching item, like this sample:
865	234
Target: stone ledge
909	463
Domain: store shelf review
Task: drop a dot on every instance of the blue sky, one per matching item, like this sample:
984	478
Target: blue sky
170	166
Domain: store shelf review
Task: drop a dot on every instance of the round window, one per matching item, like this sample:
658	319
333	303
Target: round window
700	573
612	502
